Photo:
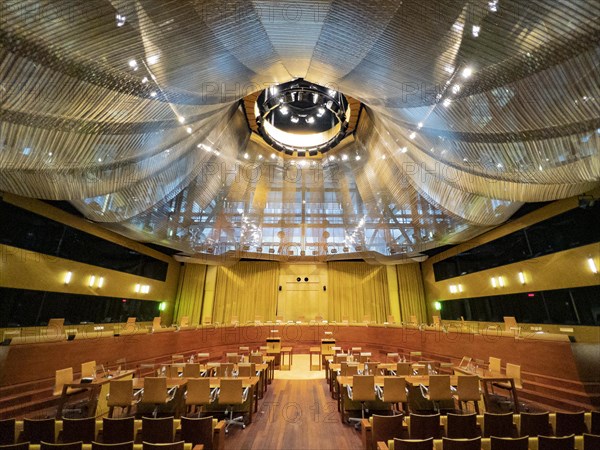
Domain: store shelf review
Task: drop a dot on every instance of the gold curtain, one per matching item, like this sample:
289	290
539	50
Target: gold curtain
411	293
190	293
246	290
356	290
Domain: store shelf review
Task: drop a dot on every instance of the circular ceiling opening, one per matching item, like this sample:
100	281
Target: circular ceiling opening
302	118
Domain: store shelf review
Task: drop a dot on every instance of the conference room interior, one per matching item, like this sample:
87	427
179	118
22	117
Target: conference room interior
302	225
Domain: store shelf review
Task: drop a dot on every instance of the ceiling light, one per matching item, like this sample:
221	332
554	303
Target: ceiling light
246	156
320	112
132	63
446	102
145	80
460	288
153	94
273	156
494	283
344	157
100	282
331	158
92	281
420	125
295	119
315	98
476	30
383	156
403	149
260	156
501	281
284	110
493	5
181	119
310	119
99	159
453	289
357	158
456	89
120	20
467	72
413	135
152	59
521	278
332	92
189	130
68	277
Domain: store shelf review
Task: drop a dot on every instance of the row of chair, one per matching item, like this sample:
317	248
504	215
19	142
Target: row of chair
585	442
205	430
180	445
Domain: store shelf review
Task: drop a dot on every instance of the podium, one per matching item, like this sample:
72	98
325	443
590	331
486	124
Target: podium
327	345
274	349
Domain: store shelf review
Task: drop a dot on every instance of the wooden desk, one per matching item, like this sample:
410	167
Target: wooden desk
315	351
487	378
96	391
289	352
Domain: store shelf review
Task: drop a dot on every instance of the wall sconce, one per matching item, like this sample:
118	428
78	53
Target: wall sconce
68	277
437	306
137	288
460	288
453	289
521	278
92	281
592	265
162	306
100	282
494	283
145	289
501	281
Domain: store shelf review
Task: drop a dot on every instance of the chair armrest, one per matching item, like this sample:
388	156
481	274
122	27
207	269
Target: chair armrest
198	447
365	424
349	389
245	394
219	436
366	434
382	445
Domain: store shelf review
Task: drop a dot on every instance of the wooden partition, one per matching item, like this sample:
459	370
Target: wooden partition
542	362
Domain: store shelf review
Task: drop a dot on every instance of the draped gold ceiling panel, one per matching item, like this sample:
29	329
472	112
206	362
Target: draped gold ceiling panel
133	111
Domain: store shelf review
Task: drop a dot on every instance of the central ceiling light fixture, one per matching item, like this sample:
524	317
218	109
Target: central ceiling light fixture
300	118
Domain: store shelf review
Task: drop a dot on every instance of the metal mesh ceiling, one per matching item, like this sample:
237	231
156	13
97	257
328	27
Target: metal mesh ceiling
131	111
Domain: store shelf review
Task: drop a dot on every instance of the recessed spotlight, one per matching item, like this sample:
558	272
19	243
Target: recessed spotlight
99	159
403	149
331	158
456	89
310	119
295	119
153	94
446	102
132	63
152	59
181	119
357	157
420	125
320	112
476	29
246	156
120	20
467	72
189	130
344	157
412	135
145	80
260	156
273	156
284	110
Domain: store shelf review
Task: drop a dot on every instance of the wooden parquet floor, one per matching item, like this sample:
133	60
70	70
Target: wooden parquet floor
296	414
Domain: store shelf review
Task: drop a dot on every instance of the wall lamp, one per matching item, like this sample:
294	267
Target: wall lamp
68	277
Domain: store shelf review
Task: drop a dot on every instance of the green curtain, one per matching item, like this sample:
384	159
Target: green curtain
411	293
190	293
247	291
357	290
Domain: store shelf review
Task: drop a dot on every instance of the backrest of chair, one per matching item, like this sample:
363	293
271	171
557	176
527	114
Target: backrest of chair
88	369
37	430
415	356
393	357
224	369
424	426
198	430
18	446
202	356
198	391
394	389
500	425
156	322
157	430
506	443
230	392
173	370
232	358
439	387
168	446
467	387
386	428
403	369
556	442
413	444
495	364
514	371
62	377
462	426
155	390
61	446
364	357
7	431
534	424
461	444
339	358
120	392
74	430
177	358
117	446
117	430
246	370
595	428
348	369
191	370
591	441
570	423
363	388
256	358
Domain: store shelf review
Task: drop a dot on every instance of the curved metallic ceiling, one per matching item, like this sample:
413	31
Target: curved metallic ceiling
131	111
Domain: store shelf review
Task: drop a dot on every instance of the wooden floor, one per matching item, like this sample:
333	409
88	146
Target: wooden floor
295	414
